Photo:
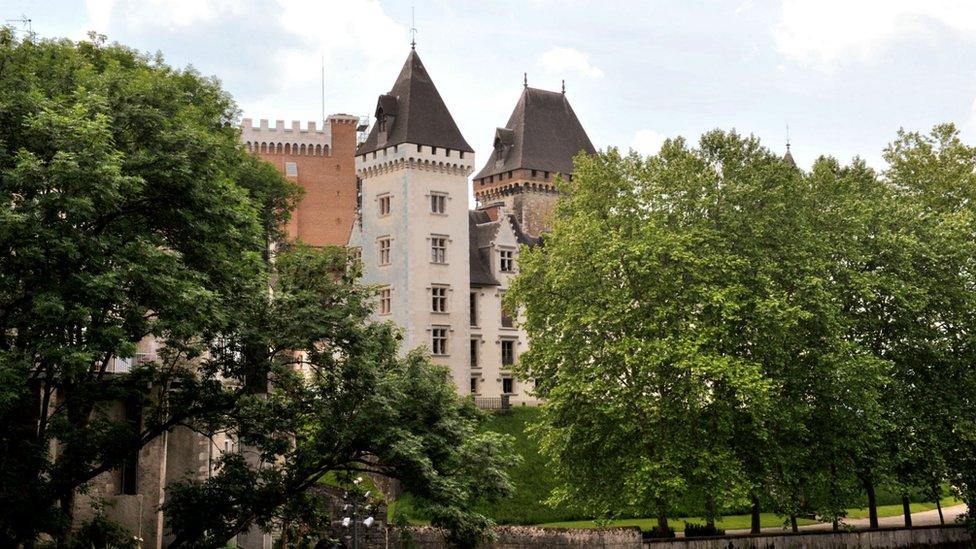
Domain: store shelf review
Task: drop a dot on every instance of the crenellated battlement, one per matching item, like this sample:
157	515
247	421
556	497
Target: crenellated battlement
293	139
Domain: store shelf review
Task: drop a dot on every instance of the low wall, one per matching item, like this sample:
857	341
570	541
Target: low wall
949	537
523	537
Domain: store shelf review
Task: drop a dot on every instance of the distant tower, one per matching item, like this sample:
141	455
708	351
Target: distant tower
413	233
540	140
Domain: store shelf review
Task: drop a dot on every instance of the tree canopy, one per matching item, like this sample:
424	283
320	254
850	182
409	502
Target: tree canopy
130	211
713	322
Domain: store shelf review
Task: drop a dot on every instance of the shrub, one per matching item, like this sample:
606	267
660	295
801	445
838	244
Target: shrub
693	530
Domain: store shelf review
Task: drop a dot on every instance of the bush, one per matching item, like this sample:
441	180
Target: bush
657	533
693	530
102	533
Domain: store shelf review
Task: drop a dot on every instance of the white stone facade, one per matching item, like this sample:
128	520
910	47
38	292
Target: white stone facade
407	175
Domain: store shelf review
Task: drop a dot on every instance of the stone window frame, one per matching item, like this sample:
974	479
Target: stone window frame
385	248
439	298
384	204
386	300
440	340
438	248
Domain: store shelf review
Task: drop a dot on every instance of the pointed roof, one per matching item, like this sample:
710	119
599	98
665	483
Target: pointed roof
414	113
543	133
788	157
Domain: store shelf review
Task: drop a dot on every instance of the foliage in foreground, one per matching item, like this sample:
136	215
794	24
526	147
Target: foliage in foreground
713	323
129	211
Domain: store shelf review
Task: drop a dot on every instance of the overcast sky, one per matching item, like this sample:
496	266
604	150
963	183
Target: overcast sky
843	74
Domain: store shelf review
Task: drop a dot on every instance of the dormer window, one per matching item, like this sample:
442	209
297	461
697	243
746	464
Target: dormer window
381	123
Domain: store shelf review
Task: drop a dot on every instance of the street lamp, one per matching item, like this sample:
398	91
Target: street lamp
355	500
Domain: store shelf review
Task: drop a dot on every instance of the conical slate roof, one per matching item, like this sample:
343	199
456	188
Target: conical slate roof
788	157
414	113
543	134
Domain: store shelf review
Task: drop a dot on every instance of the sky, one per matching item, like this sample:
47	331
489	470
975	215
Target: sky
842	75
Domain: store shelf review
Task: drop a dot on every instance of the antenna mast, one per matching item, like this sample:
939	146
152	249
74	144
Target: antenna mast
413	29
24	21
323	92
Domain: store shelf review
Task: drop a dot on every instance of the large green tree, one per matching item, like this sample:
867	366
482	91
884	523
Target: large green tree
129	210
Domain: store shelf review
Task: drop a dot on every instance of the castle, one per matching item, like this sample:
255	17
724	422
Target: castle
443	270
400	200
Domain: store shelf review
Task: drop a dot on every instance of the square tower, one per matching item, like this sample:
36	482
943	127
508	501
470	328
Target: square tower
413	232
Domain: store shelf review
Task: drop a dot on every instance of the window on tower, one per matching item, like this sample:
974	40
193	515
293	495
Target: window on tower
384	205
438	203
438	249
438	340
438	303
384	244
386	301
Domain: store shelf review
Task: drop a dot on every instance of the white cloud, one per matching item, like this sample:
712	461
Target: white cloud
156	13
828	32
647	142
561	60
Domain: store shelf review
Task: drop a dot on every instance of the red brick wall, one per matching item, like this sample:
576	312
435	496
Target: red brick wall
326	212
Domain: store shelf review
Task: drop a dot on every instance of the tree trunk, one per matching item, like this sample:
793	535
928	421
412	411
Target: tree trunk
710	511
756	523
937	495
662	521
872	501
793	525
906	507
835	525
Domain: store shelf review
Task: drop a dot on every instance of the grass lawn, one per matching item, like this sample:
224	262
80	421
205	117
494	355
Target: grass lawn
742	522
734	522
895	510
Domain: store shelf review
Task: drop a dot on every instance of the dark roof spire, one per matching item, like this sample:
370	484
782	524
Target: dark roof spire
542	134
413	112
564	87
788	157
525	80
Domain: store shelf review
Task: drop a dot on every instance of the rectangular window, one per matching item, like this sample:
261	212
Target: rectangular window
291	169
507	386
438	249
384	205
507	263
420	148
474	352
385	251
386	301
438	203
438	341
508	352
474	385
438	302
545	175
473	307
355	255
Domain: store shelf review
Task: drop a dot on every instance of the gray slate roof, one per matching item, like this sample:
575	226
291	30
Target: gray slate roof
544	134
481	231
415	113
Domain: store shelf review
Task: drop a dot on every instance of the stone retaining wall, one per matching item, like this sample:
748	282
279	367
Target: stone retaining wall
523	537
948	537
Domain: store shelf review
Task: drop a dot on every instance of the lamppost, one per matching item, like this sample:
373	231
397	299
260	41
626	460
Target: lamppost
355	500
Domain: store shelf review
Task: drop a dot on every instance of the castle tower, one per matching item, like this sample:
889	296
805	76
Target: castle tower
322	162
413	233
540	140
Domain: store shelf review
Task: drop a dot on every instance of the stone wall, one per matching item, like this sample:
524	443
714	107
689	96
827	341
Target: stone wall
949	537
523	537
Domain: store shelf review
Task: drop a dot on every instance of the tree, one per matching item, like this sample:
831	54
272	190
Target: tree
667	306
931	345
130	210
348	403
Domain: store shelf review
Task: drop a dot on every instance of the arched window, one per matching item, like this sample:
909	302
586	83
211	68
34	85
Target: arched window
303	148
264	147
318	150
